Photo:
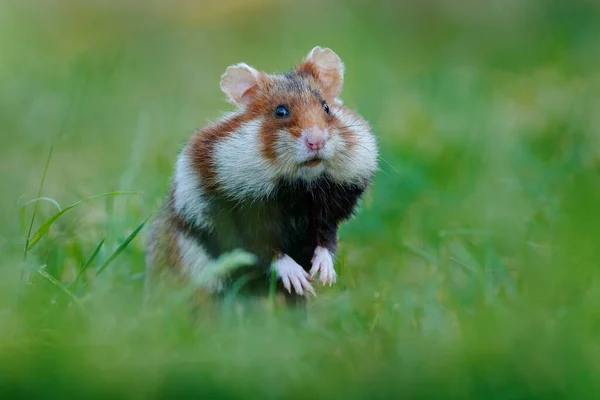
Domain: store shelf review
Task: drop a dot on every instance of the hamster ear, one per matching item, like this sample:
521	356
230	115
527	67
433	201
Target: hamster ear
237	80
329	70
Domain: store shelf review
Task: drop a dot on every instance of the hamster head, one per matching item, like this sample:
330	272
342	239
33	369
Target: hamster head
302	128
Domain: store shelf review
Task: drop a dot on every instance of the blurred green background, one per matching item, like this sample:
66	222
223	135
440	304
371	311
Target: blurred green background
471	271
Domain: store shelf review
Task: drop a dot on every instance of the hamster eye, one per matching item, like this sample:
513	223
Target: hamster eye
282	112
325	107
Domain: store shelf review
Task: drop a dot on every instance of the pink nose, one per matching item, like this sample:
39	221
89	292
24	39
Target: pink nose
315	138
315	143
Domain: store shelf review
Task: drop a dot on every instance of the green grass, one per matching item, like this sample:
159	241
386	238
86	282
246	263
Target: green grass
471	271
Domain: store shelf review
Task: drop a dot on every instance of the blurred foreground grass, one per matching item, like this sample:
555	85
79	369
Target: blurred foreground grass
472	269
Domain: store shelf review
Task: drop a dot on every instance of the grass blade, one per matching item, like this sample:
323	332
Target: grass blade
23	209
422	253
60	286
27	239
93	256
122	246
24	275
224	264
48	199
463	257
46	225
88	262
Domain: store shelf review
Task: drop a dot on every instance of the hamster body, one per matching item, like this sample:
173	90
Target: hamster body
275	178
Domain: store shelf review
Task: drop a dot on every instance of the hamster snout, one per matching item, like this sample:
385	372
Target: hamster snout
315	138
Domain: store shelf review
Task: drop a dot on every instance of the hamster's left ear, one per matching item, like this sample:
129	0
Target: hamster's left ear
237	81
327	68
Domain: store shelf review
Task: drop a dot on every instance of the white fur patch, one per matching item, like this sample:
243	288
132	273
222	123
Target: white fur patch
189	199
194	259
360	162
309	174
244	173
292	152
241	168
286	149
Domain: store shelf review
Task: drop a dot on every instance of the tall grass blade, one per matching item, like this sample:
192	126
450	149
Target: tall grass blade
273	285
122	246
225	263
46	225
88	262
55	282
23	211
218	268
93	256
48	199
27	239
24	274
462	256
422	253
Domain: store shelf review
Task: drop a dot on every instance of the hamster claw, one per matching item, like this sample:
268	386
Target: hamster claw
293	275
322	263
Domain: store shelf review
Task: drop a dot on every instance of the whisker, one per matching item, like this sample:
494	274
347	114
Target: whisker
390	165
380	157
350	126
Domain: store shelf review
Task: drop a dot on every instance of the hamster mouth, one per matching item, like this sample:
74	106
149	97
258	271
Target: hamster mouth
313	162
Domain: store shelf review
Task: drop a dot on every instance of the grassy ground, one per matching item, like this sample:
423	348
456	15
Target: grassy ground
472	269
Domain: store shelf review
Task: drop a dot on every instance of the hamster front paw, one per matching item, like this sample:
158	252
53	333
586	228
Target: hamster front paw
323	263
292	274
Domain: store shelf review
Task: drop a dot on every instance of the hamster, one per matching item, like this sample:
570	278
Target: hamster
275	177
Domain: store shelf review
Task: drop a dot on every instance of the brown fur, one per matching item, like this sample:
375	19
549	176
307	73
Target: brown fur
163	258
304	103
203	143
346	132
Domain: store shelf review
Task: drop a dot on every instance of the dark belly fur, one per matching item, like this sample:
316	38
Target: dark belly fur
298	218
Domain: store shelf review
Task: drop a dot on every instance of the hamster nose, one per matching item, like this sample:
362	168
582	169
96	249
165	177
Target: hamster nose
315	138
315	144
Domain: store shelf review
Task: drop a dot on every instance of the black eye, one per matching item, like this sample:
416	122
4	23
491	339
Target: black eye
282	112
326	107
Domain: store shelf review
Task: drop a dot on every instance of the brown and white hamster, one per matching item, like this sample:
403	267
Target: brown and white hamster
276	177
